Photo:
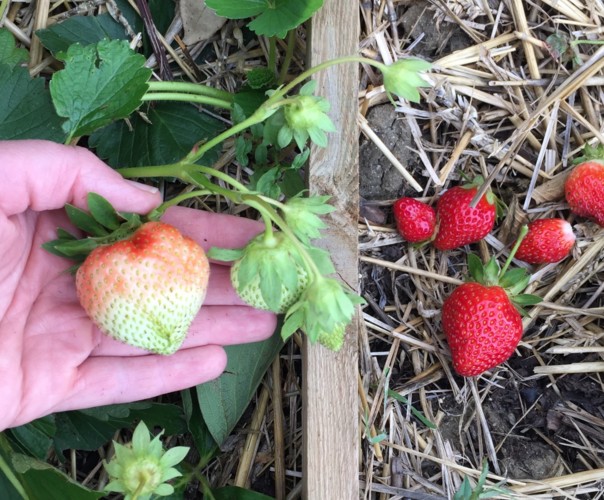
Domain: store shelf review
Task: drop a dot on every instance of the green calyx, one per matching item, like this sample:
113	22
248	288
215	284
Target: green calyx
141	468
301	215
513	281
322	312
404	77
103	226
306	117
590	153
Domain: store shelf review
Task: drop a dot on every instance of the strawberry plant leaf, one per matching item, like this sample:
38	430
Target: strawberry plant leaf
322	259
261	78
65	235
174	128
26	110
526	299
225	254
223	400
274	17
84	221
475	268
100	84
103	212
512	277
85	30
73	248
9	53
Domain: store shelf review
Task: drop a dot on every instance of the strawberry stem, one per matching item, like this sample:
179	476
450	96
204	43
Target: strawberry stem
156	213
523	232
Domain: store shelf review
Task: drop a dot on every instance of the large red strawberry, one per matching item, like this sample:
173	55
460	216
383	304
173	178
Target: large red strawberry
547	240
458	223
480	319
584	190
147	289
415	220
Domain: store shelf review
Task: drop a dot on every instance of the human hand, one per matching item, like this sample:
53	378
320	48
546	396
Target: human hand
52	356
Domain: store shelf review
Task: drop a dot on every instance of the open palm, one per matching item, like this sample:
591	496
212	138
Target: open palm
52	357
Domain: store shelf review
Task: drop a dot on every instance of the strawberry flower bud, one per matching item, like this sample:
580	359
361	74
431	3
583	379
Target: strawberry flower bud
323	311
300	216
403	78
141	469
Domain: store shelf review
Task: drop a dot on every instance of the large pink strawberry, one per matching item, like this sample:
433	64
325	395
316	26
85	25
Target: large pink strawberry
146	289
458	223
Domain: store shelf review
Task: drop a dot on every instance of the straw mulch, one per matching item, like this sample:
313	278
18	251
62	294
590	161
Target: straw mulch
506	105
516	109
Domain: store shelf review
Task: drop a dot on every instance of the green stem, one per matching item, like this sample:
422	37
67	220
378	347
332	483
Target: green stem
289	54
272	54
198	99
159	211
190	88
222	176
7	471
523	231
171	170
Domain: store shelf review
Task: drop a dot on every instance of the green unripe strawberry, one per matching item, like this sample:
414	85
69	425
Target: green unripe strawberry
332	340
270	274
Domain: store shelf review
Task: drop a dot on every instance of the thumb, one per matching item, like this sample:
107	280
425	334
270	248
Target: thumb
41	175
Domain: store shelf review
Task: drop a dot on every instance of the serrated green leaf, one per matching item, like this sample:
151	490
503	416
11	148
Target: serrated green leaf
100	84
174	129
261	78
223	400
237	9
225	254
103	212
84	221
265	182
35	438
85	30
26	110
9	53
243	147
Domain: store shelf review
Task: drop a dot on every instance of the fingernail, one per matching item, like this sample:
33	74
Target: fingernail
142	187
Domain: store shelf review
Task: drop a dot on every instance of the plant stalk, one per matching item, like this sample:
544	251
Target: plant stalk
176	96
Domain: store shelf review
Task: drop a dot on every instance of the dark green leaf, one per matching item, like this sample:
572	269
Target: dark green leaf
236	493
34	438
292	183
224	400
84	30
63	234
261	78
225	254
9	53
26	110
243	147
174	129
100	84
73	248
512	277
275	18
103	212
84	221
42	481
266	183
249	100
204	442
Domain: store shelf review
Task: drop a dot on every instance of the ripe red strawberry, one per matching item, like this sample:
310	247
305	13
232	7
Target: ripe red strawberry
146	289
460	224
482	327
415	220
584	190
547	240
480	319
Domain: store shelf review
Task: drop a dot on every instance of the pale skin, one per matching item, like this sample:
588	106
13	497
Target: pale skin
52	358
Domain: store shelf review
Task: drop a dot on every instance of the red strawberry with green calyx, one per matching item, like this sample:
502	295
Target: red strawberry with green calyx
460	224
584	187
141	283
415	220
547	241
481	318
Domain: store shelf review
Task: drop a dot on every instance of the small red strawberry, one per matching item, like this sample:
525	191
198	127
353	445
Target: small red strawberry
584	190
460	224
145	290
480	319
415	220
547	240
